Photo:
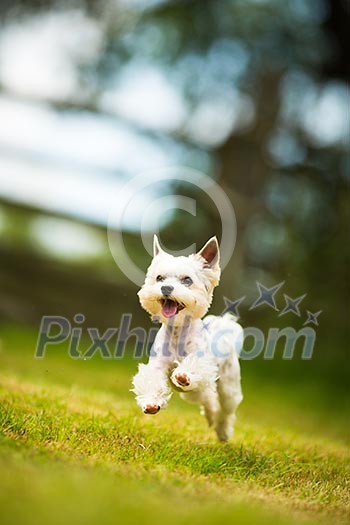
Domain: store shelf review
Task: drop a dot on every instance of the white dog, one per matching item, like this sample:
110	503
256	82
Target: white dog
197	357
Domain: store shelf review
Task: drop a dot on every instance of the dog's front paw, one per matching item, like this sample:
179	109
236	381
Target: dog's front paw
182	379
151	409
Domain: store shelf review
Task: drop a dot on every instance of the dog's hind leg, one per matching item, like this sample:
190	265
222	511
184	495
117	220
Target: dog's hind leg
230	396
210	406
208	401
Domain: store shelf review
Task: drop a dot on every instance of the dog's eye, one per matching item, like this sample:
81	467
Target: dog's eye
187	280
159	278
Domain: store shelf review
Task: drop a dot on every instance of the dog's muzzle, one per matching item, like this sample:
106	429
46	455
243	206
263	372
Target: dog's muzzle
167	290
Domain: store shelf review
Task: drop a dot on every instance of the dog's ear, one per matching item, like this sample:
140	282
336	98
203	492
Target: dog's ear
156	246
211	253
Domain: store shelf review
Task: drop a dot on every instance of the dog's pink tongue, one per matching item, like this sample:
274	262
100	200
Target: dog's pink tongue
169	308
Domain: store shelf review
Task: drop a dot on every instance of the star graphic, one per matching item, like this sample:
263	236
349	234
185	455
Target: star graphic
292	305
232	306
312	318
267	295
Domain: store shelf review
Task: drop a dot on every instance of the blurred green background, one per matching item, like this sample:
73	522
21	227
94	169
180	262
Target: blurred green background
253	93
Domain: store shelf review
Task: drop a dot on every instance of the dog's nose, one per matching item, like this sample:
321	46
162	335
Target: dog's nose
166	290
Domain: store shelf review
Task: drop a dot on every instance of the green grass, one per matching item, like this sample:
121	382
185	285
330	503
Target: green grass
75	449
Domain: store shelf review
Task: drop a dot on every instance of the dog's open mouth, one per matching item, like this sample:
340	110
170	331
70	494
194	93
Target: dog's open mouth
170	307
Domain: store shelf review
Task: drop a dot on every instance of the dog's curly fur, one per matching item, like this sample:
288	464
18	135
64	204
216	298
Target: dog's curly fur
197	357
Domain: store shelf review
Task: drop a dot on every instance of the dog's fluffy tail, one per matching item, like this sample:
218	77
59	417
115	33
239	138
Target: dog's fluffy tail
231	316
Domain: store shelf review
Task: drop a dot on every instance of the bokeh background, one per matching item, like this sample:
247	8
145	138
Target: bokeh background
253	93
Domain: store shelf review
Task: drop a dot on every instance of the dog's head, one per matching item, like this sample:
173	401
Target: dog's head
178	288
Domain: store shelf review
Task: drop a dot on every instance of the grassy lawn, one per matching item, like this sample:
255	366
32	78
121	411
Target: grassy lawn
76	449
